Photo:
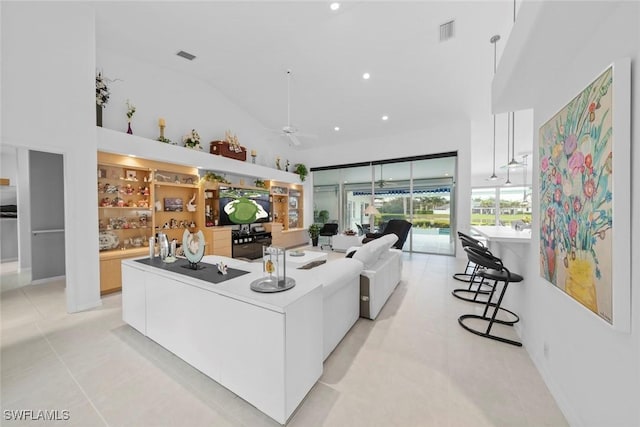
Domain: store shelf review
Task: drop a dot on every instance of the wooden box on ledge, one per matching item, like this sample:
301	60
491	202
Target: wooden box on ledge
222	148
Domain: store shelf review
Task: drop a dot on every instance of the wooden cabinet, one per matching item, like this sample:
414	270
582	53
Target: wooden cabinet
110	272
287	204
218	241
136	198
287	238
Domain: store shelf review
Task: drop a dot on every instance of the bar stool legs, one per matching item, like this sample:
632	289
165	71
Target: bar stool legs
491	268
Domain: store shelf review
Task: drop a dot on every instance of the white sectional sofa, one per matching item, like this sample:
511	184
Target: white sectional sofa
340	294
381	273
340	300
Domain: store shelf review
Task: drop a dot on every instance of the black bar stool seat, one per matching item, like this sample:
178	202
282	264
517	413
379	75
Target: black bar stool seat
477	284
467	276
491	268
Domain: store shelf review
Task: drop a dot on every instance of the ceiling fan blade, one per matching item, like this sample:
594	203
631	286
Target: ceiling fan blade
294	140
307	135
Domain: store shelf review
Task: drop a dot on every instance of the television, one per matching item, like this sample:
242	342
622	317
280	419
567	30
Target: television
243	206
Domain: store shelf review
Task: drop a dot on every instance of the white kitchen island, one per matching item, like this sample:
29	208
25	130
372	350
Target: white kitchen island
266	348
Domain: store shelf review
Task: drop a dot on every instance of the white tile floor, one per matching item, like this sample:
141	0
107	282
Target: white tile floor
413	366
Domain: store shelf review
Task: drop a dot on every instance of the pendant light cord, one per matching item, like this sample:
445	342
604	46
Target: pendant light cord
494	41
288	98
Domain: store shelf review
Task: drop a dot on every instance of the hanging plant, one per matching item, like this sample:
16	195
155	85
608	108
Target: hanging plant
301	170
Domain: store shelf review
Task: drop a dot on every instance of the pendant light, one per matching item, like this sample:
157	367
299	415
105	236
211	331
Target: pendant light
494	41
513	163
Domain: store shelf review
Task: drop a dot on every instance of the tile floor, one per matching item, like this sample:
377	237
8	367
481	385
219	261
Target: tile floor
413	366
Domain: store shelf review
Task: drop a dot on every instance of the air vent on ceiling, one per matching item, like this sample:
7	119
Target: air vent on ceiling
447	30
186	55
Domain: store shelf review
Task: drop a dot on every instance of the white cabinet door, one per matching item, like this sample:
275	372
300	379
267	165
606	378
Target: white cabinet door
133	298
185	320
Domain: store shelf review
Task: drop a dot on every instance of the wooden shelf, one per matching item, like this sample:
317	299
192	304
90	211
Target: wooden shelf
111	141
125	208
174	184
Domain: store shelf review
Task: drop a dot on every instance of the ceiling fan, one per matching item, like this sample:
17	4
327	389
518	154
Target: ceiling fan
290	132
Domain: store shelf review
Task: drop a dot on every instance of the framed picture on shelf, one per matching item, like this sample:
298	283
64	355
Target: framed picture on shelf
173	204
131	175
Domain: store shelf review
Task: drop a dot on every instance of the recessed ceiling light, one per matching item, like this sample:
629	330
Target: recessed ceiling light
366	76
335	6
337	128
385	118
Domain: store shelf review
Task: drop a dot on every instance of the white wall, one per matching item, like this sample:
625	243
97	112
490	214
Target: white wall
592	370
450	136
48	67
185	103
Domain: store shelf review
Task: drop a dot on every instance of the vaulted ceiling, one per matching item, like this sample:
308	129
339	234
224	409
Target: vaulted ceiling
244	49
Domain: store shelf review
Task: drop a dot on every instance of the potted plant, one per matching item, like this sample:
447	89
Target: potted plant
192	140
314	233
301	170
323	216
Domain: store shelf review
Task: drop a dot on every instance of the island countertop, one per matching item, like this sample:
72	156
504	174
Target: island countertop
498	233
238	288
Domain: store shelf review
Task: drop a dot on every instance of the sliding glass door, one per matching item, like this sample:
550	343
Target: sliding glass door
419	190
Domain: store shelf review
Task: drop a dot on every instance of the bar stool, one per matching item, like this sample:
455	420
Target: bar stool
474	280
491	268
466	240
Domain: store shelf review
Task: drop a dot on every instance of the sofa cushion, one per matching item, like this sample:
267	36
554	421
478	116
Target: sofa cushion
369	253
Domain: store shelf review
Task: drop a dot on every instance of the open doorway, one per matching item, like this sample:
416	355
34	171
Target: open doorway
33	246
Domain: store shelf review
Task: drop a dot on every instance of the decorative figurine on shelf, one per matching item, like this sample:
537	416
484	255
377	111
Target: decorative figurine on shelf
278	163
193	245
192	224
190	206
111	189
253	156
286	167
161	138
232	140
222	268
166	226
131	110
174	223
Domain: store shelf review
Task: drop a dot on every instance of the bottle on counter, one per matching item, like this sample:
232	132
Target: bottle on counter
163	242
152	247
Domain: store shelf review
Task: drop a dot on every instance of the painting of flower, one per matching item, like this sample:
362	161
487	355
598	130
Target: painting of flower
576	216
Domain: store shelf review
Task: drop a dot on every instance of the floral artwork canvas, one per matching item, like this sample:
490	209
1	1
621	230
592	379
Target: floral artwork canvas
576	194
